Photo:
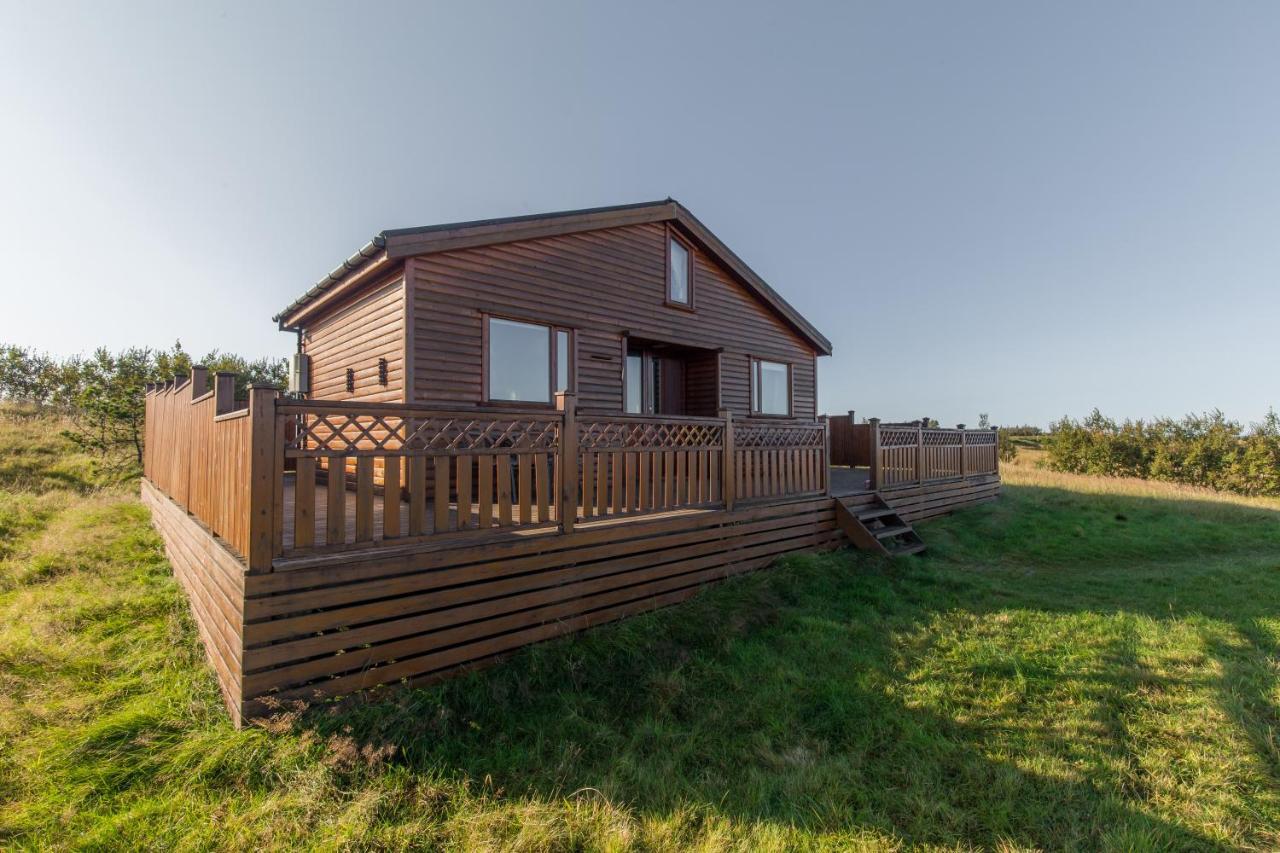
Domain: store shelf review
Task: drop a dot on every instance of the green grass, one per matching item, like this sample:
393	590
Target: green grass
1083	664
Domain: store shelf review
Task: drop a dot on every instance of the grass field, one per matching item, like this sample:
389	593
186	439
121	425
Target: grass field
1084	664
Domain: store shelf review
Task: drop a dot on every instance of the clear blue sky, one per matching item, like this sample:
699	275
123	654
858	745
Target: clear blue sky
1021	208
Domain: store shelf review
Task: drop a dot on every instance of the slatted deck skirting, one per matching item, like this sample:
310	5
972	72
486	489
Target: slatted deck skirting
330	624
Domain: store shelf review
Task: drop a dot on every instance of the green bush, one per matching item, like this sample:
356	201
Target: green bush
1200	450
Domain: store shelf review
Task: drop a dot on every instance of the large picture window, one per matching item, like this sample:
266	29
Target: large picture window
527	362
770	388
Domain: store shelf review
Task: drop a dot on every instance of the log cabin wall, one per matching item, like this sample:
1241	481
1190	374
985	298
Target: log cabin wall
356	336
605	284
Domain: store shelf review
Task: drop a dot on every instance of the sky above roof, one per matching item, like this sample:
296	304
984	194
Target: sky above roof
1011	208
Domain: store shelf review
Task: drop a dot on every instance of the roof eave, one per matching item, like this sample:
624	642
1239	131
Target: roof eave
359	261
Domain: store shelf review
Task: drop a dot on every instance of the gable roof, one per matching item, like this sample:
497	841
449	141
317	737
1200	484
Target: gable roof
399	243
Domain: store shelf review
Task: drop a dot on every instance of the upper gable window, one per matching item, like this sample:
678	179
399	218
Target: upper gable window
679	273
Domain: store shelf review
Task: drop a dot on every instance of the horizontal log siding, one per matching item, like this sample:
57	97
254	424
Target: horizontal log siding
356	336
604	284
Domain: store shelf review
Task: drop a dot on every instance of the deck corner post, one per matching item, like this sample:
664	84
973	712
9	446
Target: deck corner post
224	387
262	474
199	381
995	446
567	404
875	453
728	477
826	452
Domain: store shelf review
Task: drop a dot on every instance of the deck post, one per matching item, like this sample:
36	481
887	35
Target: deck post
199	381
262	471
964	442
875	453
567	403
826	452
224	387
995	434
920	453
728	479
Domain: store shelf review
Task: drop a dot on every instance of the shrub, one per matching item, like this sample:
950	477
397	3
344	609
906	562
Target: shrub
1201	450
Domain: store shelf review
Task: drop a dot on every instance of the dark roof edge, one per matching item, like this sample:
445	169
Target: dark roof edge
378	246
357	261
527	217
753	279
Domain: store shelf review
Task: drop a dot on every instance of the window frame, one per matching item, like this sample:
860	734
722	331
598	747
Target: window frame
674	237
755	378
553	329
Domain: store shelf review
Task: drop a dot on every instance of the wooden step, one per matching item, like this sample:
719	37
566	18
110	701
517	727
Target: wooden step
874	539
907	550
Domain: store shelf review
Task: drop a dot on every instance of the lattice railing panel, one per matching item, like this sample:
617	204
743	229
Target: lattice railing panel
342	433
649	435
798	436
942	438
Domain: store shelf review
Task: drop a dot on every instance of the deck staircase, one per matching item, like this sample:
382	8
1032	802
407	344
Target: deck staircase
878	528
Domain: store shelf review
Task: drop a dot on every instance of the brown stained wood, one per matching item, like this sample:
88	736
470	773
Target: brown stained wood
588	484
587	596
562	599
616	466
465	517
440	494
484	482
364	499
524	483
682	482
355	335
391	498
602	483
503	462
668	478
644	480
304	504
629	501
542	484
336	508
547	280
714	493
417	495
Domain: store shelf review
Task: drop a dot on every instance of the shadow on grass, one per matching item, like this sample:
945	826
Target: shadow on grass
844	695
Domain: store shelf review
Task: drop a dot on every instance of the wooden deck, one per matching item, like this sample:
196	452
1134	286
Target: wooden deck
518	526
849	481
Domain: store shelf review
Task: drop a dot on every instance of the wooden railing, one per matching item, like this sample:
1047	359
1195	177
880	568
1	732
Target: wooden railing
779	460
912	455
631	465
198	449
456	470
288	477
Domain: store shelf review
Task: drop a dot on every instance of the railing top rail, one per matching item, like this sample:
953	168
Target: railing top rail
601	415
410	410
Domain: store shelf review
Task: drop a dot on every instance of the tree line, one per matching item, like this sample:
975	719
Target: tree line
1200	450
101	395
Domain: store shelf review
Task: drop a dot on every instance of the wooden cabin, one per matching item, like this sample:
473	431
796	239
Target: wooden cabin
510	429
636	310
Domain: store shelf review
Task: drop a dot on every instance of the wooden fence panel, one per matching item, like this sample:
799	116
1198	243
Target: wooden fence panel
632	465
771	460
